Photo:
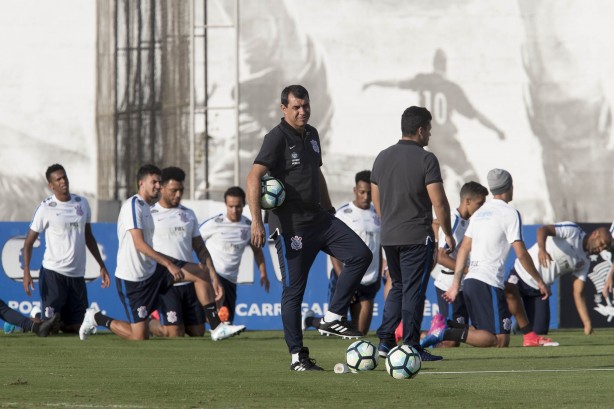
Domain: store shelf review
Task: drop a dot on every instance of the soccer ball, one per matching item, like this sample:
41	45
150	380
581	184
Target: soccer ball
403	362
361	356
272	193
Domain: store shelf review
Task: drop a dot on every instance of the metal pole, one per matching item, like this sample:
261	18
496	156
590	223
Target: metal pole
192	66
238	97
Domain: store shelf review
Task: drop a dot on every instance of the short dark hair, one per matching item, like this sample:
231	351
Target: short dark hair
53	168
235	191
297	90
414	118
472	189
363	176
147	170
172	173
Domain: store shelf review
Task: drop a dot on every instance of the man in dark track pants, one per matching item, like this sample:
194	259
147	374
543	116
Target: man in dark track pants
304	224
406	185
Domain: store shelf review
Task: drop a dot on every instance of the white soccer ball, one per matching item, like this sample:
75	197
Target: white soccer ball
361	356
403	362
272	193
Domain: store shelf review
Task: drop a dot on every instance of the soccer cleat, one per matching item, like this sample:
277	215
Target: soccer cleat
305	363
341	328
547	342
426	356
531	340
437	321
384	347
224	331
43	328
9	328
306	314
435	334
89	325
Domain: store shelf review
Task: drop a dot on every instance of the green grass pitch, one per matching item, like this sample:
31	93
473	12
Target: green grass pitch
252	371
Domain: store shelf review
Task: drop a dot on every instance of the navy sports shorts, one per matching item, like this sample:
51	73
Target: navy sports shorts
487	307
64	295
141	298
456	311
179	305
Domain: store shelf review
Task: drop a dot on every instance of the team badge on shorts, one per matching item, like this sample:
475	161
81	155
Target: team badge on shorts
142	311
49	311
296	243
507	324
315	146
171	317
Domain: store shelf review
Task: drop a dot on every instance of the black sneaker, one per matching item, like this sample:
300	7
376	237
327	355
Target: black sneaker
384	347
42	329
426	356
305	363
341	328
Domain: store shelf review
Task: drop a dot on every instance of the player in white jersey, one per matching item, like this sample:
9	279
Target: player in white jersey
561	248
609	282
493	229
361	217
472	197
65	219
226	237
143	273
176	235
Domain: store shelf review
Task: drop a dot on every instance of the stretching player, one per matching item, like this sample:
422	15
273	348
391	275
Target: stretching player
561	248
65	219
360	215
176	235
494	228
472	197
142	273
227	236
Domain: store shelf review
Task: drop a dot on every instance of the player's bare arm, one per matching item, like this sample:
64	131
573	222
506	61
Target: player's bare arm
28	283
375	199
527	263
459	270
92	245
206	263
580	301
264	277
542	234
324	196
337	265
609	284
147	250
442	211
253	201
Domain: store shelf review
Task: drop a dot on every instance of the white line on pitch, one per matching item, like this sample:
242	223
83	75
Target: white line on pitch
519	371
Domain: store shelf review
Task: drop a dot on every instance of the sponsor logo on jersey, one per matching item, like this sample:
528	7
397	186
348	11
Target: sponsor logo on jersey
52	204
315	146
296	243
219	219
142	311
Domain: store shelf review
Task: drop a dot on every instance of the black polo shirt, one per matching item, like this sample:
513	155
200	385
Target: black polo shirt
402	172
295	159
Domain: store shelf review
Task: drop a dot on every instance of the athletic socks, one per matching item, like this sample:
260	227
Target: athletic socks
457	334
331	316
213	319
526	330
103	320
13	317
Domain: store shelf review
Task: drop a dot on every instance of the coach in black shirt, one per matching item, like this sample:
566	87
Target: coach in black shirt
406	186
303	225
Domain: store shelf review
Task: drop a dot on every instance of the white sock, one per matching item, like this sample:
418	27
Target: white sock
331	316
294	358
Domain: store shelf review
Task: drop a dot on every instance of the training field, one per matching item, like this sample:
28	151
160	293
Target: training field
252	371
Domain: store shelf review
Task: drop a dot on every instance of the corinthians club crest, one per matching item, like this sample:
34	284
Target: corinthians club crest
296	243
315	146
